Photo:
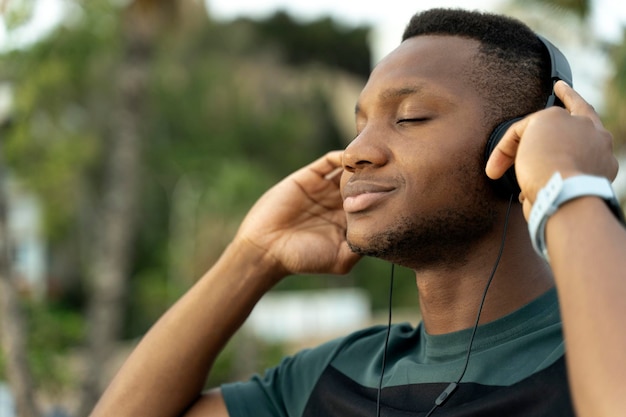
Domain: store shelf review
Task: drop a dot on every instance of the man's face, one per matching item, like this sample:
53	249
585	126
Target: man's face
414	187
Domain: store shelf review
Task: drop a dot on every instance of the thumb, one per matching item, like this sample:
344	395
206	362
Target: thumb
503	156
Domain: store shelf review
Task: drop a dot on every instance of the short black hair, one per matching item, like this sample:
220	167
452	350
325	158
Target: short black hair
512	70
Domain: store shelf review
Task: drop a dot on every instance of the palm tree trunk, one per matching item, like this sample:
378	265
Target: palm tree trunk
144	19
116	229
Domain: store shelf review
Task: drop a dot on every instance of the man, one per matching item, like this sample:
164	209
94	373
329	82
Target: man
413	191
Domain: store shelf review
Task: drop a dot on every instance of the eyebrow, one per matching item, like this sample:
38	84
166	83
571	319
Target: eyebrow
394	93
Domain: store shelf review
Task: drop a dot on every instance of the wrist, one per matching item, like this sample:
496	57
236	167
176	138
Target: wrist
250	256
559	191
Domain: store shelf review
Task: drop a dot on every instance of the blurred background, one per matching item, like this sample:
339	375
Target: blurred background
134	135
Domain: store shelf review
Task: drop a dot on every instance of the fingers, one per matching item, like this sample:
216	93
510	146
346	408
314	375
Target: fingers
328	163
503	156
329	167
506	152
575	104
570	140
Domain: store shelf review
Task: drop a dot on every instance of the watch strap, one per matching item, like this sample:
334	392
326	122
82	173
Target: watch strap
557	192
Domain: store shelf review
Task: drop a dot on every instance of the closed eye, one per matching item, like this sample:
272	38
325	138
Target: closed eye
412	120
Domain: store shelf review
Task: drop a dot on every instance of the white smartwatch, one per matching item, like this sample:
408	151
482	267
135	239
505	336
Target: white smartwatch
559	191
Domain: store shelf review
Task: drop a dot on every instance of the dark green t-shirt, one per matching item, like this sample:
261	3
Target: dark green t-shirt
516	368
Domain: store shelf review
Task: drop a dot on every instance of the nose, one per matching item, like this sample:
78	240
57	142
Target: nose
367	150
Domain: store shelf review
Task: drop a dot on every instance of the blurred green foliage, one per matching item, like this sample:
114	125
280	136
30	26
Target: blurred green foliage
17	13
615	91
316	41
232	108
54	332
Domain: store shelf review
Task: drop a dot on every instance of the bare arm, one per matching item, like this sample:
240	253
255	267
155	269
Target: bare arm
587	245
297	226
588	258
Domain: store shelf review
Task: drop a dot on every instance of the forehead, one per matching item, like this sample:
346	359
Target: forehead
434	65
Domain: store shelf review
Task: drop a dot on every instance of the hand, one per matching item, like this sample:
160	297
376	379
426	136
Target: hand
300	224
572	141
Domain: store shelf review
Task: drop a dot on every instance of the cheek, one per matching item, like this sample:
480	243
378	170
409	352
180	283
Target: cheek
453	172
437	170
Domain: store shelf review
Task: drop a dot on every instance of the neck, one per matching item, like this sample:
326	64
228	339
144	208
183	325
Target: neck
450	298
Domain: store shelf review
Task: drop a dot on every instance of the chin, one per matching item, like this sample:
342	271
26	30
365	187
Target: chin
442	239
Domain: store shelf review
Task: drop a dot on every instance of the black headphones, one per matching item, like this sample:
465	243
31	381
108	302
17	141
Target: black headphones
559	70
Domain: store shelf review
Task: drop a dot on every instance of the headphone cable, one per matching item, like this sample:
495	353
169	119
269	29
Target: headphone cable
384	361
447	392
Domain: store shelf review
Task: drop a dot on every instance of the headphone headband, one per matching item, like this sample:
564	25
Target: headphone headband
559	69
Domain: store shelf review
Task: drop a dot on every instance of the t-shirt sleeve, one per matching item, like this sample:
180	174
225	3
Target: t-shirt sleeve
282	391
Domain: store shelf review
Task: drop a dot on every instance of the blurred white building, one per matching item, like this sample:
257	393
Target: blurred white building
26	240
7	405
294	316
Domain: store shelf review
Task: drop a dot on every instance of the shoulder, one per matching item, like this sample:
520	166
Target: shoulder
288	385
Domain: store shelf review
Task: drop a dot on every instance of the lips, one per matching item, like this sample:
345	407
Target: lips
359	196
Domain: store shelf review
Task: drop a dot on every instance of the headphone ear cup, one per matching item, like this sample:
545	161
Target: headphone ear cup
507	184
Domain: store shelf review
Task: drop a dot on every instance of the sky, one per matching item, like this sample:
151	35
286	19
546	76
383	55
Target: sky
388	17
